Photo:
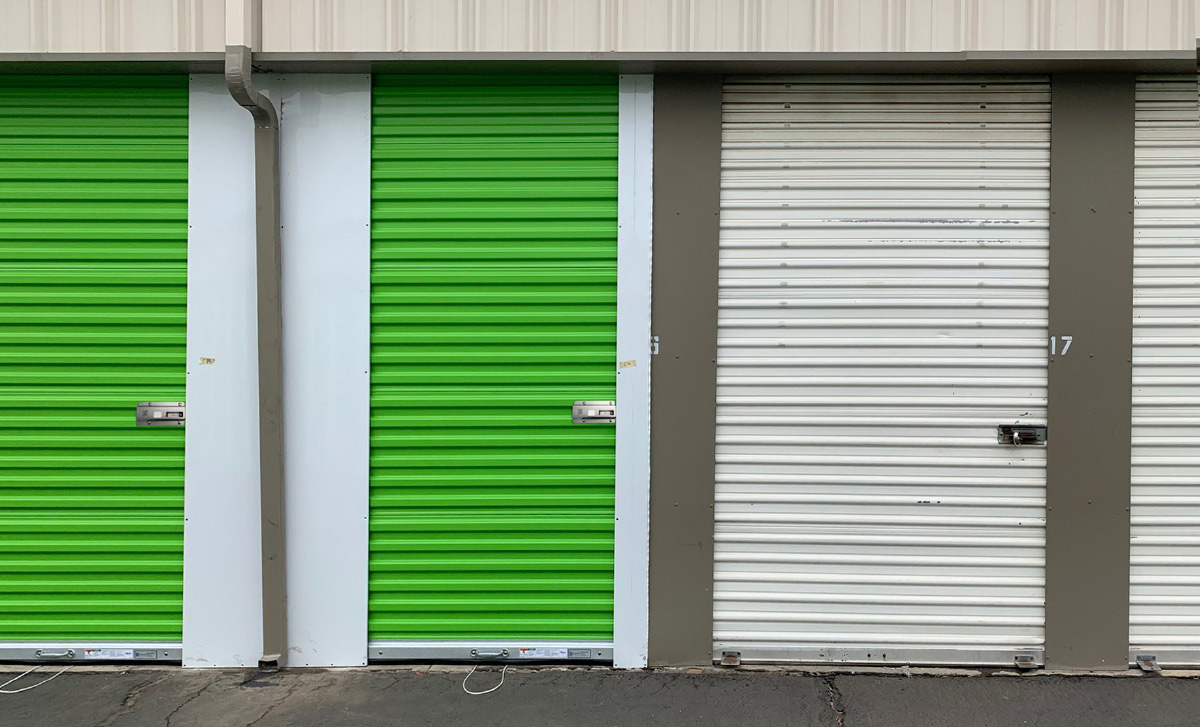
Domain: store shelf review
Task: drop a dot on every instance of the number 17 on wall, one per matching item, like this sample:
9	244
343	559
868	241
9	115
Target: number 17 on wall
1066	341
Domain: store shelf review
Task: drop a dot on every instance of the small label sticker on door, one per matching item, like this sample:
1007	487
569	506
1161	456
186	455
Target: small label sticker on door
145	654
108	654
627	364
542	653
207	361
579	653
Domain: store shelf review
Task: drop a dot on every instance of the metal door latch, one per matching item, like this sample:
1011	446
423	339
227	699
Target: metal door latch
731	658
161	414
594	412
1025	661
1147	662
1021	434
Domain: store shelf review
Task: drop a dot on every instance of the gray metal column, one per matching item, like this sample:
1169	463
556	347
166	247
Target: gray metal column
687	192
1090	389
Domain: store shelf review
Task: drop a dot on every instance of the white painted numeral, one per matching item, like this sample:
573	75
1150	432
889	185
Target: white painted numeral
1066	344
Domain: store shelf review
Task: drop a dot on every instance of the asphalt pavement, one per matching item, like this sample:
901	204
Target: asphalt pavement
425	695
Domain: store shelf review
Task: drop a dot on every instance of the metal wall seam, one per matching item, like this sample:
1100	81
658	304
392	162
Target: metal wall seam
882	307
93	293
1165	507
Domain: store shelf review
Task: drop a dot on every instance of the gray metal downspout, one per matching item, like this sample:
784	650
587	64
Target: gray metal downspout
270	351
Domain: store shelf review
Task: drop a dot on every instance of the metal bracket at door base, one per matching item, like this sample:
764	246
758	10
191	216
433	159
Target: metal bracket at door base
1147	662
1025	661
90	652
731	658
508	651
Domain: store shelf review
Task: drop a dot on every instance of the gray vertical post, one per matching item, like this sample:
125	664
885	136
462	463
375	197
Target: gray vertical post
687	194
1090	387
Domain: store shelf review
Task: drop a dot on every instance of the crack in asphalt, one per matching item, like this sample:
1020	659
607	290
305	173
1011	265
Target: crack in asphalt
395	680
833	697
130	701
188	701
286	696
666	683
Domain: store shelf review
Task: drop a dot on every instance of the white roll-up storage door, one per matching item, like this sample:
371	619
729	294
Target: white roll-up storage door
883	307
1165	512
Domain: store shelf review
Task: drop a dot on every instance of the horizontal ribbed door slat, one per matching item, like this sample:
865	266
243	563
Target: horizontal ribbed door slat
93	276
1164	610
882	308
493	309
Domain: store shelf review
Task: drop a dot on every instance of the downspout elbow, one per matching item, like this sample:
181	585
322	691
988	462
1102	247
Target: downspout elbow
241	87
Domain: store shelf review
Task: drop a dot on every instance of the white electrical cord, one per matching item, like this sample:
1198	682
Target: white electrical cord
35	686
486	691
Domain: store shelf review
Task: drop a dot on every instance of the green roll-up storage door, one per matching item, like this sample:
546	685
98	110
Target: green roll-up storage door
493	309
93	273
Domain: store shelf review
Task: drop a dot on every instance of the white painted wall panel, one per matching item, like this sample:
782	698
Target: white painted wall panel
882	308
325	163
325	205
222	573
635	204
1165	511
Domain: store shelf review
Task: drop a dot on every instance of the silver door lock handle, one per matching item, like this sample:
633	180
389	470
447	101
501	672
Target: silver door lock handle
161	413
477	654
1021	435
594	412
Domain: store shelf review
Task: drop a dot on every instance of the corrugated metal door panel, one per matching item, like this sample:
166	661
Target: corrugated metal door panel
1165	512
493	309
93	276
883	306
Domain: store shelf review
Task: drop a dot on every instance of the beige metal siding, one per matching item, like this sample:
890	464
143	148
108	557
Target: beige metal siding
1165	528
728	25
882	307
111	26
